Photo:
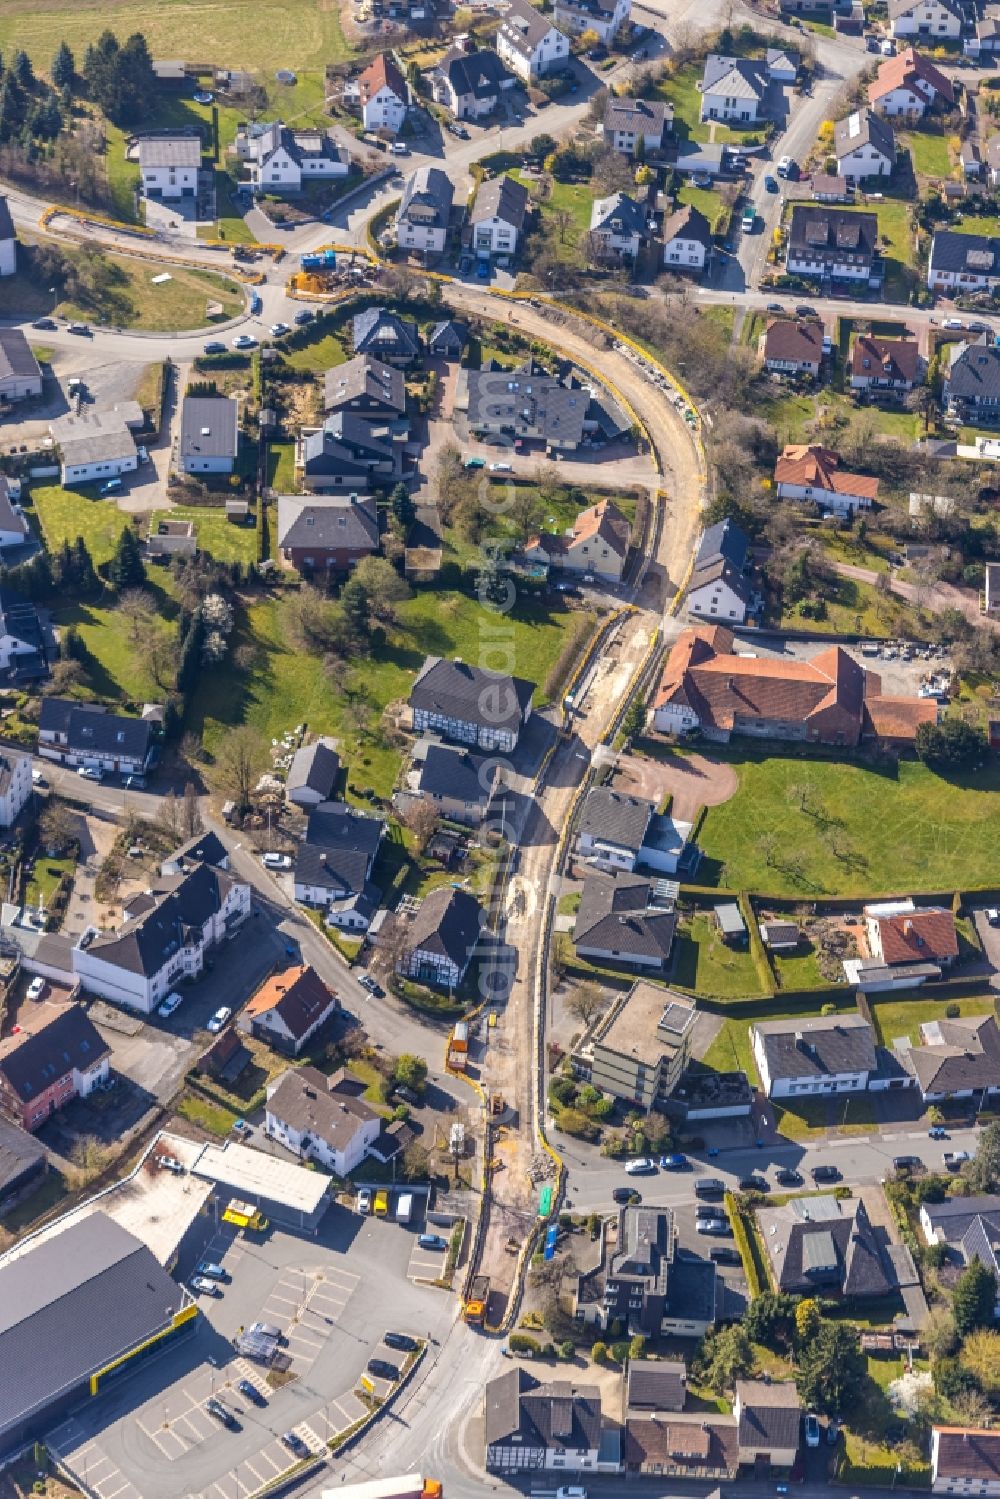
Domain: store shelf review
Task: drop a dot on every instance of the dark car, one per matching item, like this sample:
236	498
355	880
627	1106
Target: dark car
294	1443
217	1410
805	311
722	1254
771	183
305	316
251	1392
825	1174
786	1177
382	1369
775	307
907	1163
44	322
626	1195
400	1340
711	1210
709	1186
753	1183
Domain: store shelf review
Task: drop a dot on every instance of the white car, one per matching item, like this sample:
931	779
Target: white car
953	322
812	1430
365	1201
276	861
501	468
170	1004
641	1166
37	779
277	329
91	773
244	341
571	1491
399	148
202	97
36	988
218	1020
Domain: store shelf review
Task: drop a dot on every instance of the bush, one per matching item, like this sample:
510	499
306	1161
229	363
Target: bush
953	1011
619	1352
519	1342
567	1349
599	1353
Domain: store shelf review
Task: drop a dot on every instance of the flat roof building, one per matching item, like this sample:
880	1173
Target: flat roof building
287	1193
642	1047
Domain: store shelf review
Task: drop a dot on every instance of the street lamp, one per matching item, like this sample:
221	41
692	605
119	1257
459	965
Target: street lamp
54	294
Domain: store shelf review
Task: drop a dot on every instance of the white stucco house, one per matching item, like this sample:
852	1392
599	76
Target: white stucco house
529	44
813	1055
277	158
687	240
320	1118
604	17
383	95
864	146
169	165
15	785
424	211
940	19
8	241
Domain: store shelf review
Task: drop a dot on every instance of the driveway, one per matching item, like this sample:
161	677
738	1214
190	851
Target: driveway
989	936
694	781
97	836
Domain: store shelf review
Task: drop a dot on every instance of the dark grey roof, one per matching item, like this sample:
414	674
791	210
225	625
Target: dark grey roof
956	1055
170	150
16	358
820	230
380	387
616	915
447	924
523	27
457	690
656	1384
458	773
641	116
70	1040
165	919
523	1413
339	522
501	198
503	1405
814	1242
448	335
529	402
345	444
6	222
724	539
314	767
770	1414
301	145
480	73
376	330
616	818
304	1100
619	213
864	128
72	1305
974	374
19	619
981	1241
816	1047
688	222
203	848
976	253
21	1156
89	728
427	196
208	427
645	1243
692	1288
340	848
955	1215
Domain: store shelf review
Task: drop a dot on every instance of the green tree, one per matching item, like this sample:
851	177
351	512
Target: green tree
637	1347
126	568
832	1368
599	1353
356	605
950	745
22	69
974	1298
983	1171
770	1319
981	1356
403	507
807	1321
382	584
728	1357
63	67
411	1071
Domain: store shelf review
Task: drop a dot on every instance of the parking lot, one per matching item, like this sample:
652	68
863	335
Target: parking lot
333	1297
690	1241
900	673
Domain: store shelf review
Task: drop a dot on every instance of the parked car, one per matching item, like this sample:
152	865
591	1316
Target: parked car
955	1158
642	1165
375	989
244	341
753	1183
219	1019
44	322
276	861
80	328
993	915
953	322
771	183
212	1271
937	1132
37	779
675	1162
720	1228
36	988
501	468
364	1202
431	1241
251	1392
255	303
812	1430
722	1254
805	311
785	1176
399	148
709	1186
294	1443
204	1287
400	1340
825	1174
775	307
110	486
170	1163
305	316
215	346
382	1369
277	329
474	463
91	773
571	1491
218	1410
626	1195
711	1210
788	167
172	1002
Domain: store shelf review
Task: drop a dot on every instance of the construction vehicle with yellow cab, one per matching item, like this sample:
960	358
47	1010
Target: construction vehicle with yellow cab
244	1215
474	1310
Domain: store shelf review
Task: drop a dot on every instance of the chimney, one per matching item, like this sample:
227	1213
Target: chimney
908	926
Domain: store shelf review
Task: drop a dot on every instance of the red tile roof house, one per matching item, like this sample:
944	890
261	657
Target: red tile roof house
792	348
288	1009
965	1460
829	699
806	471
885	364
900	932
909	84
43	1069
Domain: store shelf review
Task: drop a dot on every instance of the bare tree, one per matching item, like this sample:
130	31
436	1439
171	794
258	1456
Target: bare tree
169	816
585	1002
57	825
191	812
392	947
158	649
421	818
562	219
241	761
136	606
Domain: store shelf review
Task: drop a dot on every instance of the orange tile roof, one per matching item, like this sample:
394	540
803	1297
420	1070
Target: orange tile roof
903	70
899	718
808	464
918	936
380	73
298	994
603	519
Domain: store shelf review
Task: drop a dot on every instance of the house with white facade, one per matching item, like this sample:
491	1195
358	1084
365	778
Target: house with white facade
733	89
530	1427
813	1055
15	785
808	471
965	1460
864	146
687	240
49	1062
320	1118
96	445
720	588
901	932
963	262
469	81
636	125
529	44
597	543
334	864
165	935
441	938
79	733
279	159
312	775
496	220
20	372
617	831
483	708
605	17
938	20
14	530
383	95
768	1420
169	165
8	241
424	211
617	227
288	1009
209	436
832	244
908	85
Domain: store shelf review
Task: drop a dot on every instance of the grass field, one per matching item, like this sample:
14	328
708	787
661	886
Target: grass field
281	467
799	825
303	34
683	92
280	686
895	1017
133	302
222	539
730	1051
929	153
793	415
706	202
704	963
799	969
319	356
574	199
859	607
65	514
976	224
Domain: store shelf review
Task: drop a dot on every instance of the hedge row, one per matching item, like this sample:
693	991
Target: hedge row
742	1236
241	1106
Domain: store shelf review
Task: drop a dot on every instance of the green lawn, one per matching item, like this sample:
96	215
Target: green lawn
861	830
281	467
858	607
799	969
572	199
896	1017
730	1050
706	202
976	224
131	300
683	92
897	247
210	1116
116	667
703	962
65	514
928	152
792	415
319	356
281	686
45	877
222	539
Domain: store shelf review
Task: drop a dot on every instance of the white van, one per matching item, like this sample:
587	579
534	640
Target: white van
404	1207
